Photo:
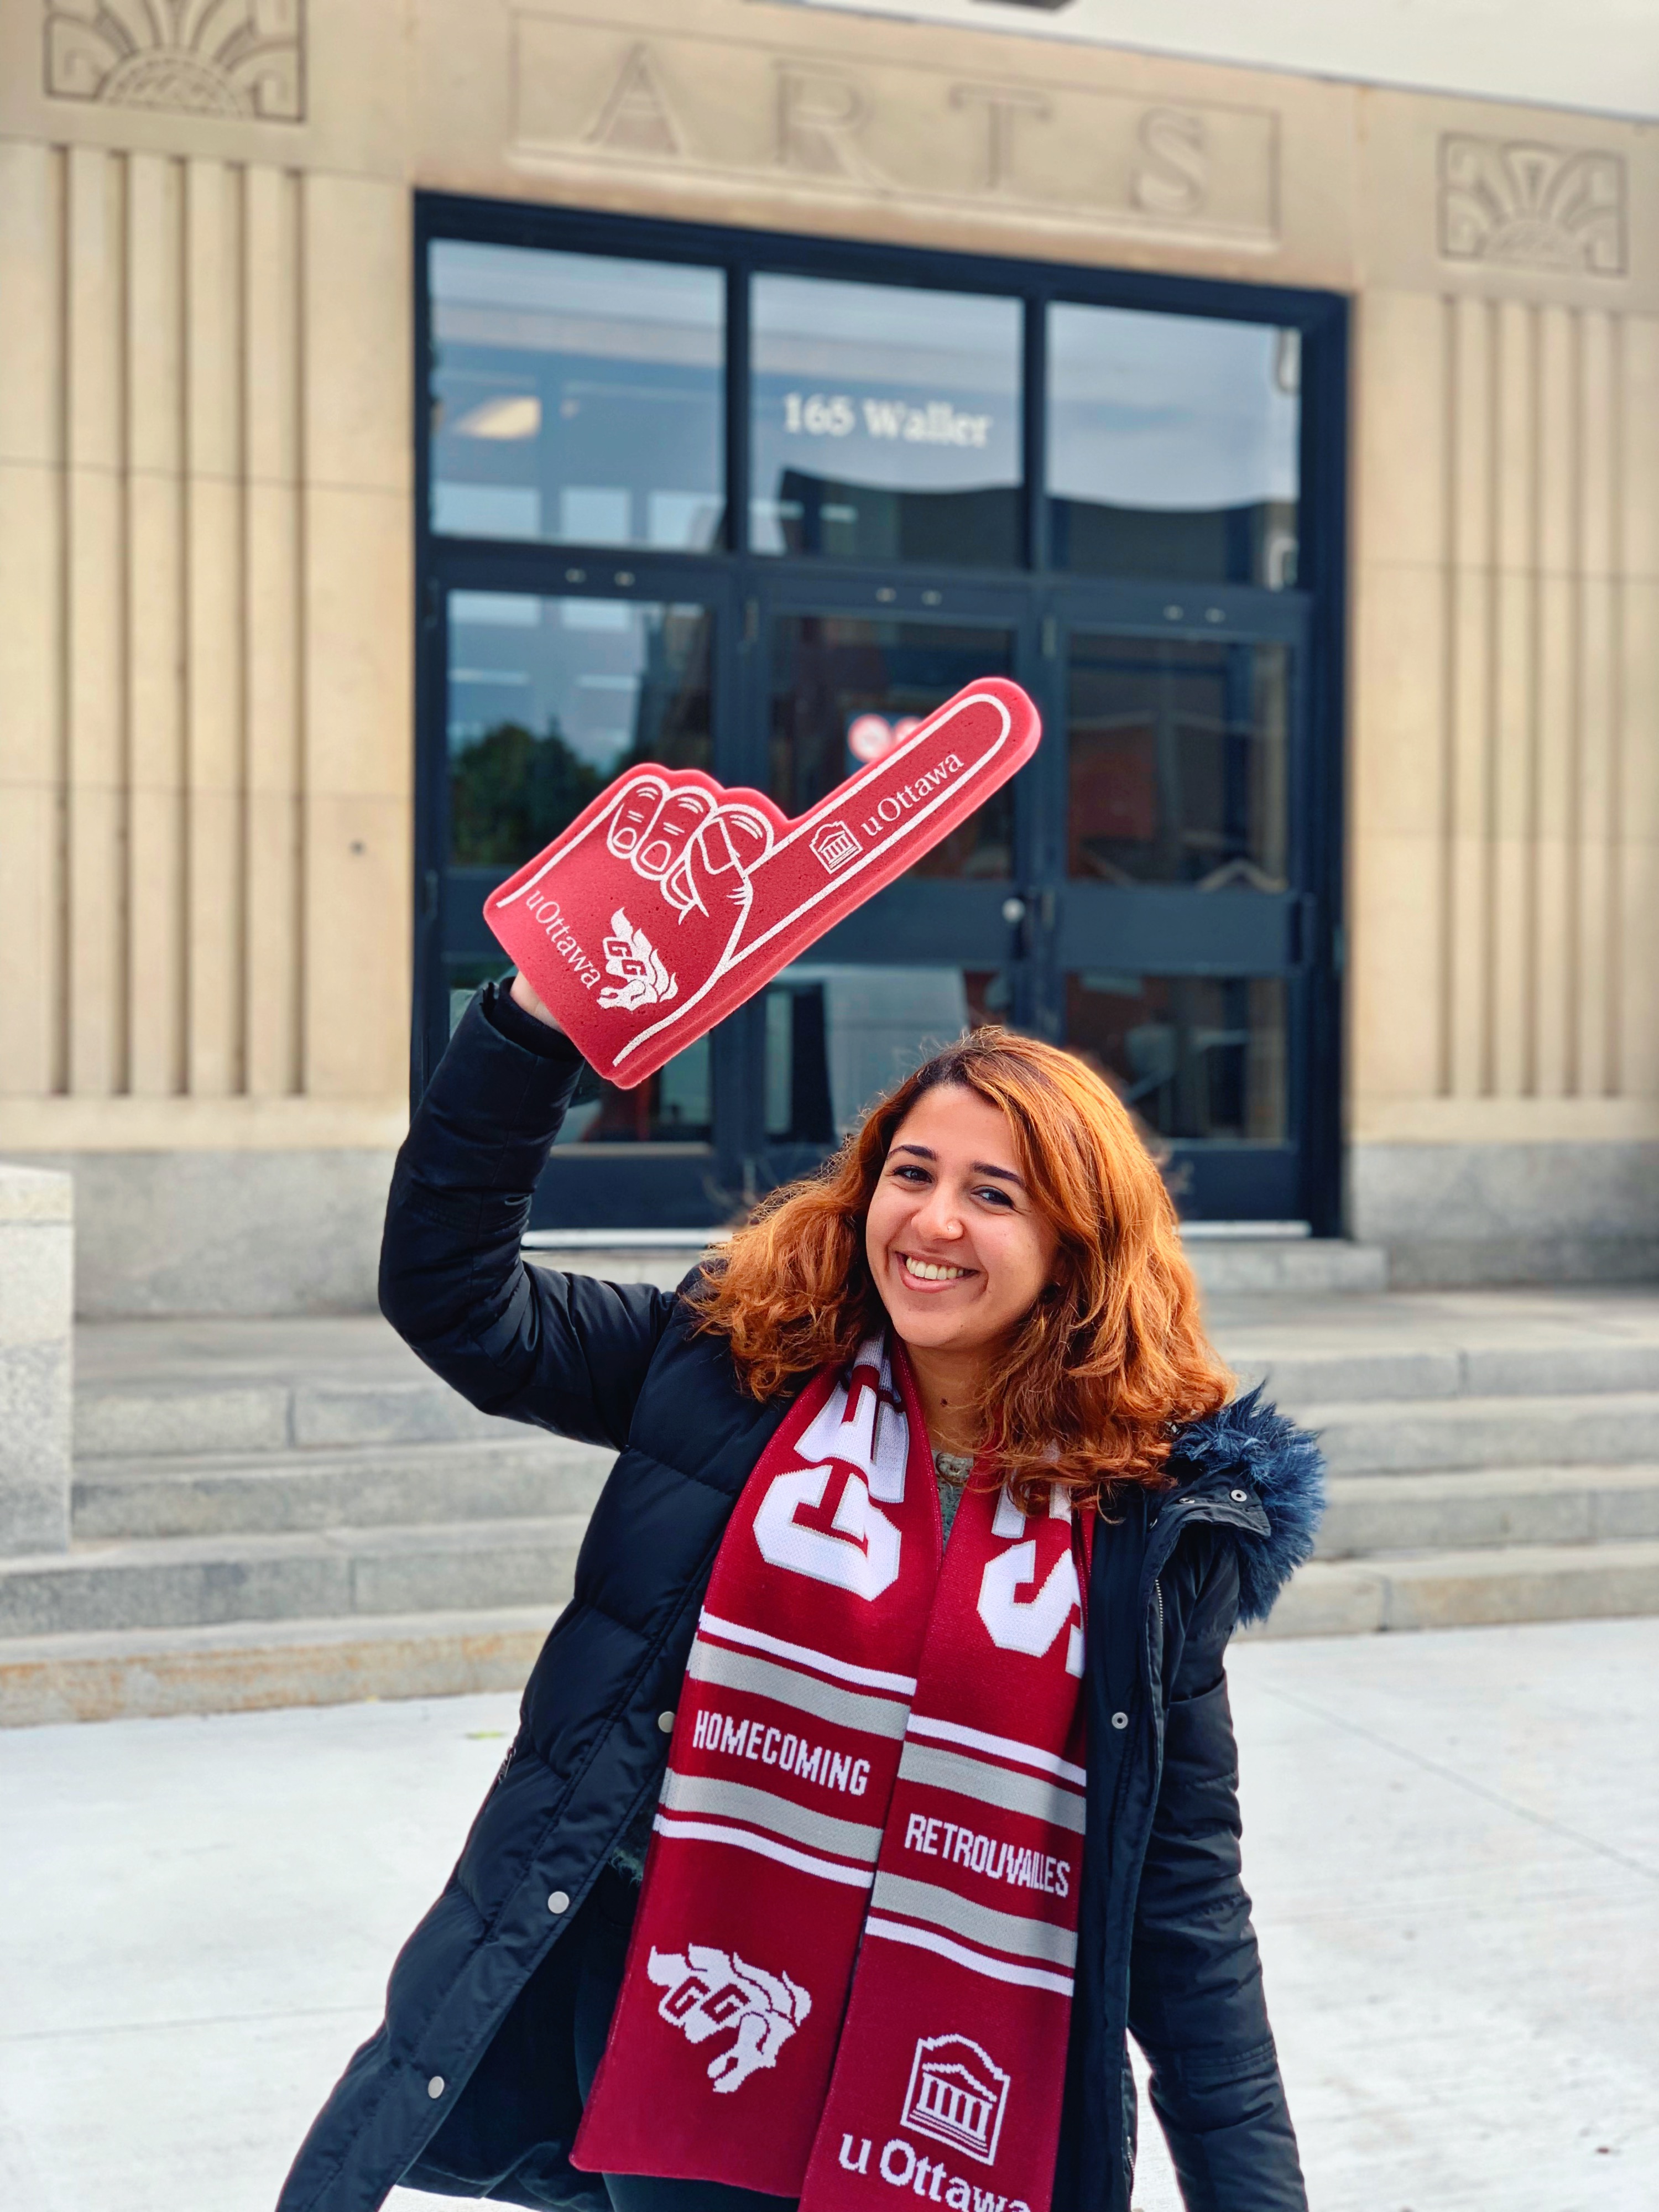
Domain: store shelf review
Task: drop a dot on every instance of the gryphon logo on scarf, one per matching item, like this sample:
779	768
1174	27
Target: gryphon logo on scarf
709	1991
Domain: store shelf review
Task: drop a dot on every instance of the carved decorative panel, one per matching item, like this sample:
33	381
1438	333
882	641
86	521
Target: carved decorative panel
242	58
1528	206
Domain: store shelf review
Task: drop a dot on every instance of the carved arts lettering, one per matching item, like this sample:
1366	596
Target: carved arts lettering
821	115
1002	104
636	118
1067	151
1172	173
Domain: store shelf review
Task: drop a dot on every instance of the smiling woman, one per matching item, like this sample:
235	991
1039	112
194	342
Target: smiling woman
879	1781
999	1211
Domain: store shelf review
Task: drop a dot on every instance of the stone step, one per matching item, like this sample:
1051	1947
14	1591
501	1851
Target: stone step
190	1413
511	1475
1363	1372
1468	1588
1308	1266
184	1581
1423	1436
254	1666
245	1665
1490	1506
175	1415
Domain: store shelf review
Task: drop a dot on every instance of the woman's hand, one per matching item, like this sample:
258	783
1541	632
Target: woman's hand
524	994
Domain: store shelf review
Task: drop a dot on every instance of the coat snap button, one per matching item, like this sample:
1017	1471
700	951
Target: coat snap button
665	1723
1120	1720
434	2087
560	1901
1239	1497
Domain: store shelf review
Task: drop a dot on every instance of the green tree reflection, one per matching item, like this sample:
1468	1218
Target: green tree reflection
511	792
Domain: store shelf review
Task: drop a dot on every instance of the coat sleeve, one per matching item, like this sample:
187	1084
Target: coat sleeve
560	1351
1196	2004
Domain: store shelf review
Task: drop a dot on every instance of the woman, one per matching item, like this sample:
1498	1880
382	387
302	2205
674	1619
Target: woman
977	1320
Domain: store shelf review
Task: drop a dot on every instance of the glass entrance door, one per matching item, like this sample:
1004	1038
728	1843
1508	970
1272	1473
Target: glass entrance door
1172	914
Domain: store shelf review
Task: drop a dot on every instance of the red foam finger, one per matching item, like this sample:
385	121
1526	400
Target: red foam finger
669	900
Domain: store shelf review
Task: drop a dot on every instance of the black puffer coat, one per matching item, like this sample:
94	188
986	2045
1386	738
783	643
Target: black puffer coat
480	1999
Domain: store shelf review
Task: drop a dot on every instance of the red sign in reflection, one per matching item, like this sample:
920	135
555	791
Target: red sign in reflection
870	736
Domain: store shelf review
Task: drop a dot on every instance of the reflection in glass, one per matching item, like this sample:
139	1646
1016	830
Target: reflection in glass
838	1036
549	699
1196	1057
842	685
1176	763
576	396
885	422
672	1106
1172	446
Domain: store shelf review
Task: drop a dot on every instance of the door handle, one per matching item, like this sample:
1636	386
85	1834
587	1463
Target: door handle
1017	915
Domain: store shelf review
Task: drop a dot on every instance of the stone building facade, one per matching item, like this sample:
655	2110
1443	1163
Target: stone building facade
208	546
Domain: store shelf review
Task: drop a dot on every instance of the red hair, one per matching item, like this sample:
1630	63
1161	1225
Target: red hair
1087	1392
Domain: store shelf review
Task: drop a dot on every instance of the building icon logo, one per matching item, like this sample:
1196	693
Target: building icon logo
957	2096
835	845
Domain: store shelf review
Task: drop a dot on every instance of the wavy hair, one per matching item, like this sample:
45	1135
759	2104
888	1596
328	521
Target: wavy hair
1104	1367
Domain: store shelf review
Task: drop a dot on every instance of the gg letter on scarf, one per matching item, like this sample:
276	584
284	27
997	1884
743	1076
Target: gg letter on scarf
852	1969
669	900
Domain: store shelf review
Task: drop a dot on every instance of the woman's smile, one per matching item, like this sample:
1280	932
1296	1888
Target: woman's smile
957	1246
930	1275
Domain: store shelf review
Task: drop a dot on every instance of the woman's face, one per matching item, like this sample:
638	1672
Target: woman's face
958	1249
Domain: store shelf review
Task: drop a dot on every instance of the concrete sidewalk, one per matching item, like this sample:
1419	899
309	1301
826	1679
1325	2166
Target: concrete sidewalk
1452	1839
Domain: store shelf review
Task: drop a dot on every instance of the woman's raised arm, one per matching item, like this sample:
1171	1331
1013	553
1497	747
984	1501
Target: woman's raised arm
566	1353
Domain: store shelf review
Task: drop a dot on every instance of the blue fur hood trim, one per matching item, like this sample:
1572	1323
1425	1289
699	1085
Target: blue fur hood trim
1287	1469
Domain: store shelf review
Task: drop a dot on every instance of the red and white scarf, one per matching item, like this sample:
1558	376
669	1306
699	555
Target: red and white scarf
852	1970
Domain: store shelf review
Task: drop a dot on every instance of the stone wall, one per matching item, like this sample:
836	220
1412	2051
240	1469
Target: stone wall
1504	819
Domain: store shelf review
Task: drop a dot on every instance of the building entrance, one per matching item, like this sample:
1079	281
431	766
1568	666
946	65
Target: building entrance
751	505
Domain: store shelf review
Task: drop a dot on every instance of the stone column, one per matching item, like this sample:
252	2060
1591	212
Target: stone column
37	1287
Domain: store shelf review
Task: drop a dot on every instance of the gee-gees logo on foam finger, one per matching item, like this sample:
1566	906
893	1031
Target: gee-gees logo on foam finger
669	900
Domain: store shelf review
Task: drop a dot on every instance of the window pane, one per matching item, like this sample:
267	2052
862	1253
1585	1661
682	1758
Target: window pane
1173	446
1176	763
885	422
577	397
838	1036
549	699
1196	1057
672	1106
845	687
